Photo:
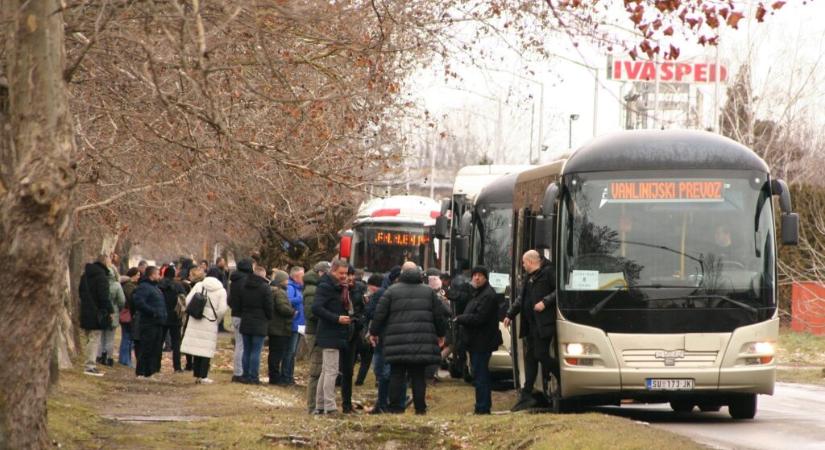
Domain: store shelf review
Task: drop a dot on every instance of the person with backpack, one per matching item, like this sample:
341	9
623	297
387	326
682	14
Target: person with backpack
125	317
200	337
171	289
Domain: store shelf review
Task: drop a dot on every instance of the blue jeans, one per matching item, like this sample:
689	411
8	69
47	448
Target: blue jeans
252	346
125	352
480	362
382	376
288	362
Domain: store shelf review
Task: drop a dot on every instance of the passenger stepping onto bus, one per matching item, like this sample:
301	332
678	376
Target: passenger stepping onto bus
536	304
481	335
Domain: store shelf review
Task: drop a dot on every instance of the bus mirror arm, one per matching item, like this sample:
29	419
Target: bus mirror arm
789	220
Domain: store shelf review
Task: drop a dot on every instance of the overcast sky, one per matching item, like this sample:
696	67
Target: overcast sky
786	52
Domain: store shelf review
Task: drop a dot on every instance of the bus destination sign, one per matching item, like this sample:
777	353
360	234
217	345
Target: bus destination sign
399	238
649	191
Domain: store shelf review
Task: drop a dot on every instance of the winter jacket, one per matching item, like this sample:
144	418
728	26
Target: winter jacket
480	321
281	322
295	294
538	286
311	280
200	337
149	304
116	295
327	307
236	282
410	319
256	306
95	304
171	289
128	291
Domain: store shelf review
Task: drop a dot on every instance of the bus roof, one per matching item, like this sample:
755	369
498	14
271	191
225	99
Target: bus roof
663	150
470	180
413	209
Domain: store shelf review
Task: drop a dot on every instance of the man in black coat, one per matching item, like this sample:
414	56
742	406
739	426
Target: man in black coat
409	320
95	308
333	308
481	335
150	309
171	290
257	303
536	304
236	282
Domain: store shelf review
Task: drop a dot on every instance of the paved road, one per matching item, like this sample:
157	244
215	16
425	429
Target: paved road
793	418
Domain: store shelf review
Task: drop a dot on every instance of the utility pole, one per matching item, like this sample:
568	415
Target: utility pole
532	119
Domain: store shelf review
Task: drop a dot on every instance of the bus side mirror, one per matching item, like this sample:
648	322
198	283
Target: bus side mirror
790	229
466	225
461	246
442	227
543	233
543	230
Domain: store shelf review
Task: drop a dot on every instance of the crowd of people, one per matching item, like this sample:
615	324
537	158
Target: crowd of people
399	323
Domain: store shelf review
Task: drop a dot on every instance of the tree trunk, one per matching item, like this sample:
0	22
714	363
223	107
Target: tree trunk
34	215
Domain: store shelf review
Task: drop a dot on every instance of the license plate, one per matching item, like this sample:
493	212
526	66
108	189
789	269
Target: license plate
669	384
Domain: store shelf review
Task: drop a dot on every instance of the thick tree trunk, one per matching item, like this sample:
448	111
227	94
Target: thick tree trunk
33	214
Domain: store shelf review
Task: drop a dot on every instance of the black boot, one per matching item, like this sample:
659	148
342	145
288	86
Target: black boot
110	362
525	401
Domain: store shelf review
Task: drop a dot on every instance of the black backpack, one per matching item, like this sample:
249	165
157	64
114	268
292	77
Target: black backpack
198	303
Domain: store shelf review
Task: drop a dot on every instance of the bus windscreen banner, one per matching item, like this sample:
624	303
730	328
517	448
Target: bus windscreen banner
399	238
663	191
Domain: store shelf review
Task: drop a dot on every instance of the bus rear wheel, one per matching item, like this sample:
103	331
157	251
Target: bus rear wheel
681	406
743	407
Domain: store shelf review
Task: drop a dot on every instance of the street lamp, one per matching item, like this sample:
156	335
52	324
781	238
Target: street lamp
570	130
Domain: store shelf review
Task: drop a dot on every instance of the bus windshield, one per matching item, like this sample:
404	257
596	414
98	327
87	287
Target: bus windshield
493	243
660	252
380	247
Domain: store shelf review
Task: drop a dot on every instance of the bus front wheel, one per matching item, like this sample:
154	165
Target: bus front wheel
743	407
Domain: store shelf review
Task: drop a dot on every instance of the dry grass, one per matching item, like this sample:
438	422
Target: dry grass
227	415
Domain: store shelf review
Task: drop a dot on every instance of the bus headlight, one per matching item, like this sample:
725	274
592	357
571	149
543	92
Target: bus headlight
578	354
755	353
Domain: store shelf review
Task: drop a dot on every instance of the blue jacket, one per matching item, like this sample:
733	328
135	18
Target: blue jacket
295	294
150	303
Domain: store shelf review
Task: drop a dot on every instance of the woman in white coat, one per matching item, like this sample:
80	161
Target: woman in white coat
201	336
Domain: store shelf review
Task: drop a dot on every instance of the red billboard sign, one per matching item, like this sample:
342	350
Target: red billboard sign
668	72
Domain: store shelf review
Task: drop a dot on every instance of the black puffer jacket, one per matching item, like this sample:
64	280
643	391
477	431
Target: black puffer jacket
480	321
95	306
236	282
171	289
311	280
538	286
149	304
409	320
327	307
256	306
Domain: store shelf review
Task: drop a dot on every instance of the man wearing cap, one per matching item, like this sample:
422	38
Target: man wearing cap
536	306
311	280
481	335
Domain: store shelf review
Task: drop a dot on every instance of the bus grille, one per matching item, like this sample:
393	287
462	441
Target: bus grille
668	358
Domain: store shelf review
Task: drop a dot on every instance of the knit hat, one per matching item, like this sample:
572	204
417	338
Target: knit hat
482	270
322	266
278	277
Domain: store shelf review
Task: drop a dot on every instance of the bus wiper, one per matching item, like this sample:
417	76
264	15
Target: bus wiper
599	306
663	247
708	296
